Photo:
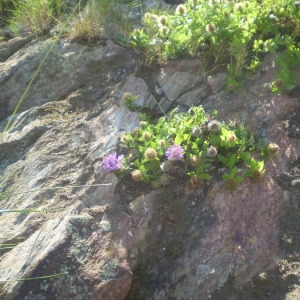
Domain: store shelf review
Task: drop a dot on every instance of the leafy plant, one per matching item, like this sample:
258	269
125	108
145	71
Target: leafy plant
191	144
225	33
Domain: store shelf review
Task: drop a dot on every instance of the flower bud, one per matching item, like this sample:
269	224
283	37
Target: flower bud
239	6
214	126
161	143
137	175
257	175
211	152
135	130
194	160
146	136
196	131
180	9
273	148
164	29
124	138
150	154
231	137
162	20
150	17
210	28
127	97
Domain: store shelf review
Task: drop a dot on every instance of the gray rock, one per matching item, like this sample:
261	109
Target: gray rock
8	48
217	82
138	88
68	68
176	84
194	97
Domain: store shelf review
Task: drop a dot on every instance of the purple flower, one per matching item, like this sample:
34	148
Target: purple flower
174	152
113	162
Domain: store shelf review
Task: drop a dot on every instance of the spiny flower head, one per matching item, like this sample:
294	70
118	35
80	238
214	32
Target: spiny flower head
146	136
161	143
211	152
135	130
162	20
151	17
137	175
174	152
180	9
113	162
196	131
164	29
239	6
210	28
150	154
127	96
214	126
194	160
231	137
273	148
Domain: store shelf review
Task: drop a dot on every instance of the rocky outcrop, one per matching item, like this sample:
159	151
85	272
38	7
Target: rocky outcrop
98	237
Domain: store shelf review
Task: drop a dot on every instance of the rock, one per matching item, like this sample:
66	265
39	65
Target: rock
7	49
67	69
194	97
163	106
85	237
217	82
179	78
138	88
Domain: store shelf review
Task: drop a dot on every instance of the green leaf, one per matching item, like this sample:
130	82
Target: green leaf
205	176
179	138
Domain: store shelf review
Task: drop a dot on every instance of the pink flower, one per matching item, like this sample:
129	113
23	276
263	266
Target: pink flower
113	162
174	152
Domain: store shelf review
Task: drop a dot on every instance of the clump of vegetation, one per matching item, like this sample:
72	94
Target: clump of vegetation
103	18
193	144
32	15
82	19
226	33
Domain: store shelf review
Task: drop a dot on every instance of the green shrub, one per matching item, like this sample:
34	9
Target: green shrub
190	144
225	33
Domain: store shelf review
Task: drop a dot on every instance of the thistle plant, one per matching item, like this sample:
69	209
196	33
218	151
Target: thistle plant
190	144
